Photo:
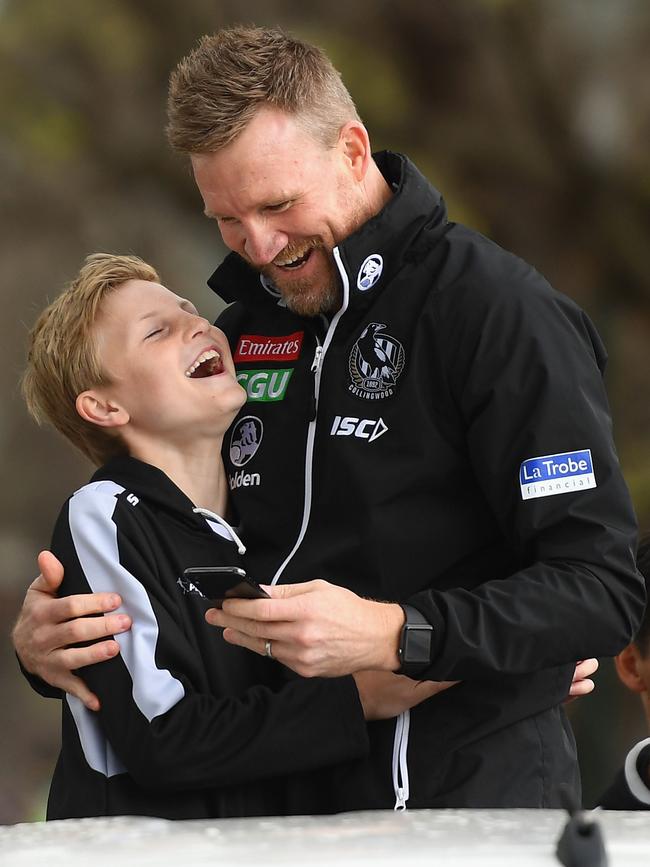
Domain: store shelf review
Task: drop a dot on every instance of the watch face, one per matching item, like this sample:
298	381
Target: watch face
417	644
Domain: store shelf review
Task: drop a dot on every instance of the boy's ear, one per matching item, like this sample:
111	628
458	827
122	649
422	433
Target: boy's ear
628	668
99	409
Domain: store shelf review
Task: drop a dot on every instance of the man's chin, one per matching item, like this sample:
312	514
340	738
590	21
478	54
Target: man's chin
310	302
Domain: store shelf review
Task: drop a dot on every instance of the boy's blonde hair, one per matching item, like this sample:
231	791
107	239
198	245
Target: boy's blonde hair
215	91
62	359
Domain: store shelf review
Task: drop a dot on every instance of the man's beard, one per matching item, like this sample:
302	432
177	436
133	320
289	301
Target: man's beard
303	295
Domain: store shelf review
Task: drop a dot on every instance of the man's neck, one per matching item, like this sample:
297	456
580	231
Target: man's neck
378	191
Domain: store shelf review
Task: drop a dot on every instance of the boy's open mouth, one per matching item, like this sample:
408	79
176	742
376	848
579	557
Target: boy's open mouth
208	363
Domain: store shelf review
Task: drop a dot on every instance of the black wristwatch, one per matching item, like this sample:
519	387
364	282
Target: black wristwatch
415	642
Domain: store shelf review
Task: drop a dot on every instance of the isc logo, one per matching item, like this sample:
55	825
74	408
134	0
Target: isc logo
365	428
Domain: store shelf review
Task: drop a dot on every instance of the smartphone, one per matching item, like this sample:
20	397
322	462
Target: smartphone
224	582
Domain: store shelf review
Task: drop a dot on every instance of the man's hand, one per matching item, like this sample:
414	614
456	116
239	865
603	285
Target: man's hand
316	628
385	695
47	626
582	683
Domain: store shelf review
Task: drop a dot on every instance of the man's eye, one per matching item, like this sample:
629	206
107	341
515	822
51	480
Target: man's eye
278	206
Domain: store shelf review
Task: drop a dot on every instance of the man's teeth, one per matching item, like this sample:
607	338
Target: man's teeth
204	356
296	260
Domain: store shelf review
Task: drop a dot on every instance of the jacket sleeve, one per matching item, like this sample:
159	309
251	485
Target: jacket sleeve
39	685
523	367
162	729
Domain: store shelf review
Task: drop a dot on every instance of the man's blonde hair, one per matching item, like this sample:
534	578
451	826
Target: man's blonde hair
216	90
63	360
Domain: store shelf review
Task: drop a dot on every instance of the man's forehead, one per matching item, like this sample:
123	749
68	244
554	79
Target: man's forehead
267	162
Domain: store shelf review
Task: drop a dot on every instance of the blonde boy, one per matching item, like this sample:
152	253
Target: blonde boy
189	726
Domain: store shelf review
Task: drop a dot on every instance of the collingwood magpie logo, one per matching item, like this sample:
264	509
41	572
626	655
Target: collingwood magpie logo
376	361
370	272
245	439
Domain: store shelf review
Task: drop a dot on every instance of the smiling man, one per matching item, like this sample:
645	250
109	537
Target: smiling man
442	443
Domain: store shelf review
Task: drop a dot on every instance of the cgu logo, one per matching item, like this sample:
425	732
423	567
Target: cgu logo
368	429
263	386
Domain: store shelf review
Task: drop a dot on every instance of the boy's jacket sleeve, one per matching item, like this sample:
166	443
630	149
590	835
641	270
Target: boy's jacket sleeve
164	731
524	375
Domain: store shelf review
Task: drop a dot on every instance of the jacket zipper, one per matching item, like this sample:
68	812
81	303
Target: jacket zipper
400	764
316	367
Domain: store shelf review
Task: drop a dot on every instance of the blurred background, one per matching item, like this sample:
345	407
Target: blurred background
531	116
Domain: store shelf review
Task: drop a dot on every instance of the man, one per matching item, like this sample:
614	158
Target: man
426	424
631	788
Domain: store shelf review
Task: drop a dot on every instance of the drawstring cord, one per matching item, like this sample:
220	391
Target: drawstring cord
241	548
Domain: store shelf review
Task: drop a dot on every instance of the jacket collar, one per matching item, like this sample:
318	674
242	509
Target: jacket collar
153	485
412	220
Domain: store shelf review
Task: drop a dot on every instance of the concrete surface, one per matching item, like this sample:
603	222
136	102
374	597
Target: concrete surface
490	838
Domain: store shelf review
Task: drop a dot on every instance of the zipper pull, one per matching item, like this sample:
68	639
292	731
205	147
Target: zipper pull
317	357
315	367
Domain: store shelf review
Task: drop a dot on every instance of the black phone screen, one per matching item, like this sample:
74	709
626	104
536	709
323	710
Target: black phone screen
217	583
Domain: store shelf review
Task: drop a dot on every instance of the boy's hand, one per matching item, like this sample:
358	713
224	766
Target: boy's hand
47	626
384	695
582	683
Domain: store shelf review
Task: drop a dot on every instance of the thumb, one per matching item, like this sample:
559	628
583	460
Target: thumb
51	572
286	591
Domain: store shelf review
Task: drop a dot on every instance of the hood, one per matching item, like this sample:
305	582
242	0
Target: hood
152	485
412	221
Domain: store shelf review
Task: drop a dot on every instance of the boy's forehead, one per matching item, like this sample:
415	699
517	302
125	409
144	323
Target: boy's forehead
137	298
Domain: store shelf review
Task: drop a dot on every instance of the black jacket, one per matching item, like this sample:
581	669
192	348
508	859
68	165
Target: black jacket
445	440
189	726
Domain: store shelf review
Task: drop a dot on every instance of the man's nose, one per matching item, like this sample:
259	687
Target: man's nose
262	244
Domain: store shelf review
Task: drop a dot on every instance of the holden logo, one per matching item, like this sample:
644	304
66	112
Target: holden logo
245	439
370	272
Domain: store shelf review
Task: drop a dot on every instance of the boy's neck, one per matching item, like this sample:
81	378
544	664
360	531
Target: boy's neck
196	469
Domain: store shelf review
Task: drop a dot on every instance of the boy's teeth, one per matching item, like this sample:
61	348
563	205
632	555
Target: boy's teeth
204	356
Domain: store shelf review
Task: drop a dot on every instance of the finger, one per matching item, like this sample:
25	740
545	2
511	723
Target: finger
286	591
91	628
585	668
230	619
263	610
75	686
51	570
257	645
73	658
83	604
240	639
581	687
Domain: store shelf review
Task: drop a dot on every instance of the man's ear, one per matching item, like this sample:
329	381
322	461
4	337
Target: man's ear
354	145
97	408
628	668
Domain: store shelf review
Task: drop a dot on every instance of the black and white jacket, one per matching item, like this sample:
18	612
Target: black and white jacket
189	726
444	440
629	789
